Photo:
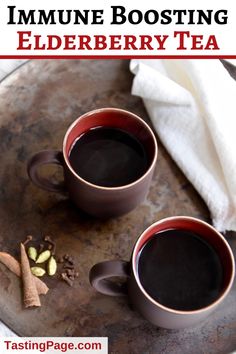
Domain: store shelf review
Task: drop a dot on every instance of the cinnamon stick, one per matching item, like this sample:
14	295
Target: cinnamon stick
31	297
11	263
14	266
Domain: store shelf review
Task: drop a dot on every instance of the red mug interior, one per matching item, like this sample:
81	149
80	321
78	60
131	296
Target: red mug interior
205	231
116	118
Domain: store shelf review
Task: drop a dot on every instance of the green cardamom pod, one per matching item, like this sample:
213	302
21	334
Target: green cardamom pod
32	253
37	271
43	257
52	266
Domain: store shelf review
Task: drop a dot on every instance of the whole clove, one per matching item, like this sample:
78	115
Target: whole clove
52	243
60	260
65	277
68	266
68	259
41	247
70	272
27	240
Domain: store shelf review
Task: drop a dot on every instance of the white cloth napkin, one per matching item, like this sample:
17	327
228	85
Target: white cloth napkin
5	331
192	104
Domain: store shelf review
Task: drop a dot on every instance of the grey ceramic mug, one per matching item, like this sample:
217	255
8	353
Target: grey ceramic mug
155	312
98	200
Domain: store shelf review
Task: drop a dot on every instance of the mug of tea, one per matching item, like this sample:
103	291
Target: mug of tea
180	270
108	157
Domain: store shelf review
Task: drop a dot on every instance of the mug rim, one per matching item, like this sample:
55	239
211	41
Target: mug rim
169	309
98	110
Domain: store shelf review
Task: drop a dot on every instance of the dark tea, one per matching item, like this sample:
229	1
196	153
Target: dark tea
108	157
180	270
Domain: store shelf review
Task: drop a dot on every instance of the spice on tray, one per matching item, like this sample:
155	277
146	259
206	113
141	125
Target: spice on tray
32	253
36	264
14	266
38	271
11	263
43	257
41	247
31	297
69	273
52	266
27	240
68	266
52	244
67	279
61	260
68	259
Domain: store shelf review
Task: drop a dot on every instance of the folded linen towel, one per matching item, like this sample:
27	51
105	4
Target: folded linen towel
5	331
192	105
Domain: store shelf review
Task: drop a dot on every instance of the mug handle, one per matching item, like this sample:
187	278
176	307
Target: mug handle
101	272
45	157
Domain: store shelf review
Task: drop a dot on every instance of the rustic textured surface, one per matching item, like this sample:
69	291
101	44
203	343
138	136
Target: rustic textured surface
37	103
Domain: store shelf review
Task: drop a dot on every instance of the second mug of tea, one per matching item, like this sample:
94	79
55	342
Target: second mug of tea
180	270
108	157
